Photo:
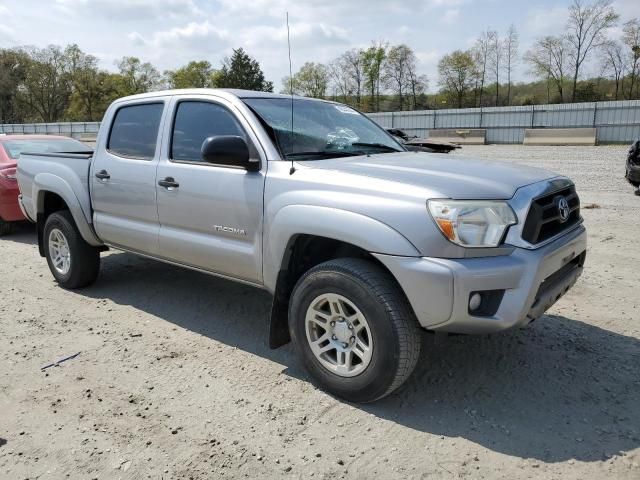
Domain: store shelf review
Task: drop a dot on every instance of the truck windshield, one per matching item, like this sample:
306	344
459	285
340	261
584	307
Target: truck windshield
321	129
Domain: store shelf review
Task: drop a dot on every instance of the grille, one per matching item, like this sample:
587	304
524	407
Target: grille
544	221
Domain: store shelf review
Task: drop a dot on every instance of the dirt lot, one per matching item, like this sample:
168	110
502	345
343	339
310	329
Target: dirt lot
175	380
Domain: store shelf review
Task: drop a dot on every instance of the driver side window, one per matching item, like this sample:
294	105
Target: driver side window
194	122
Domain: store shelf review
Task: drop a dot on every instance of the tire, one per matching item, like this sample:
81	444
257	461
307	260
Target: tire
360	288
5	227
83	260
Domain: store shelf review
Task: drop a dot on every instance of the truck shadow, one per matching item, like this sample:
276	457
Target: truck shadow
559	390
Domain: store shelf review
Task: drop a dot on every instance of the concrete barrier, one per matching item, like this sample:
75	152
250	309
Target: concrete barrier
560	136
460	136
88	137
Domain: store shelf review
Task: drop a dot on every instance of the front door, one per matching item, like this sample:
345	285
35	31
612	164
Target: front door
210	214
123	179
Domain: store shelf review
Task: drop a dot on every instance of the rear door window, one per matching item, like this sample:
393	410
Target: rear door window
134	132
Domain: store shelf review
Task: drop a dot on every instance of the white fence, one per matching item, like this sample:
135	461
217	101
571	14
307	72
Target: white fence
615	122
69	129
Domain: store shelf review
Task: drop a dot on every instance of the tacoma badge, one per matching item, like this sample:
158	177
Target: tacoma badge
235	231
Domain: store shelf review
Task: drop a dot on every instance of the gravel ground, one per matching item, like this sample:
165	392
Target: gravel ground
175	380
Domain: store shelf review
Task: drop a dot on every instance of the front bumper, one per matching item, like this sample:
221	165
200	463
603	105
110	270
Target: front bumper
532	281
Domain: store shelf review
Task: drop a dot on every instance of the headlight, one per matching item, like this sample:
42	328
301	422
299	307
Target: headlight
472	223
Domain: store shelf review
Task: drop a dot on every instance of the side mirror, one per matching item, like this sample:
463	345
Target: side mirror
228	150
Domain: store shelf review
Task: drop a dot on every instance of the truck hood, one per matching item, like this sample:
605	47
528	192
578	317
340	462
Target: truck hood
445	176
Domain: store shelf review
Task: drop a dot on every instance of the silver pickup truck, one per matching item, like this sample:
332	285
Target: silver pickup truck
361	242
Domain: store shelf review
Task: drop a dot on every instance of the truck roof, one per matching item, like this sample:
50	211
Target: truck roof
225	92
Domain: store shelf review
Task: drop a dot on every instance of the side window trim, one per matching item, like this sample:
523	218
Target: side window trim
158	133
246	135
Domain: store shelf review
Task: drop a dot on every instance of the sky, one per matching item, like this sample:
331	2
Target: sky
170	33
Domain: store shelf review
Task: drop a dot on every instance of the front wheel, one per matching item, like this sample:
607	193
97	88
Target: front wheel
72	261
354	329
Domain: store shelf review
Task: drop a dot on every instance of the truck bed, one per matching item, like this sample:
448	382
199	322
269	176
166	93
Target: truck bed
69	170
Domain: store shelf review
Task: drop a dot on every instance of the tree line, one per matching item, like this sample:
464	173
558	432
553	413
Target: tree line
363	76
55	84
386	77
66	84
557	61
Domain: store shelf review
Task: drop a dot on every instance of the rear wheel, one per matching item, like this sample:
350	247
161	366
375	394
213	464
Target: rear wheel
354	329
5	228
72	261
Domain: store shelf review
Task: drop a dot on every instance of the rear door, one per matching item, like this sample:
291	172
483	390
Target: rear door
123	177
212	219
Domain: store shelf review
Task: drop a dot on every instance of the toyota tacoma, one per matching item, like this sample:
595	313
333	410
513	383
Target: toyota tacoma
361	242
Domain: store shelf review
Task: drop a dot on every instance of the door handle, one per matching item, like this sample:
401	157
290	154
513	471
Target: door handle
169	182
103	175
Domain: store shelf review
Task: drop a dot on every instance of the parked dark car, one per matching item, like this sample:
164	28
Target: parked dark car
633	166
421	144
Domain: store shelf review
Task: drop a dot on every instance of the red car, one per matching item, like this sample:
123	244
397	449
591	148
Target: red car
10	148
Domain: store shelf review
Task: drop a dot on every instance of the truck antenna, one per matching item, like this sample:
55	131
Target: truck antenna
293	168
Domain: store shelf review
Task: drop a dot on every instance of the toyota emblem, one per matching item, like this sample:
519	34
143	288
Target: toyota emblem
563	209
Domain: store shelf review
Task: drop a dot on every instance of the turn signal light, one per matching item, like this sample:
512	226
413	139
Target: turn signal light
447	228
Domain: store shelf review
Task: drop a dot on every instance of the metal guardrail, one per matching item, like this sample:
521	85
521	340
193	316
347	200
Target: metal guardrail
615	122
79	130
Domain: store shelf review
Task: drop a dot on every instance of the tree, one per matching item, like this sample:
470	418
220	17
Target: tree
47	85
13	67
587	91
613	62
631	39
373	59
511	56
418	84
102	88
396	71
242	71
353	63
311	80
137	77
496	55
548	60
90	94
457	72
337	71
480	54
586	29
192	75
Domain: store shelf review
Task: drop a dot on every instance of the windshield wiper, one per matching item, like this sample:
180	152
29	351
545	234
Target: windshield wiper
323	154
381	146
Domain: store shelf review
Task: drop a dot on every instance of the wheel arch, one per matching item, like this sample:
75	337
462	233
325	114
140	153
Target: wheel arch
360	231
320	233
51	194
